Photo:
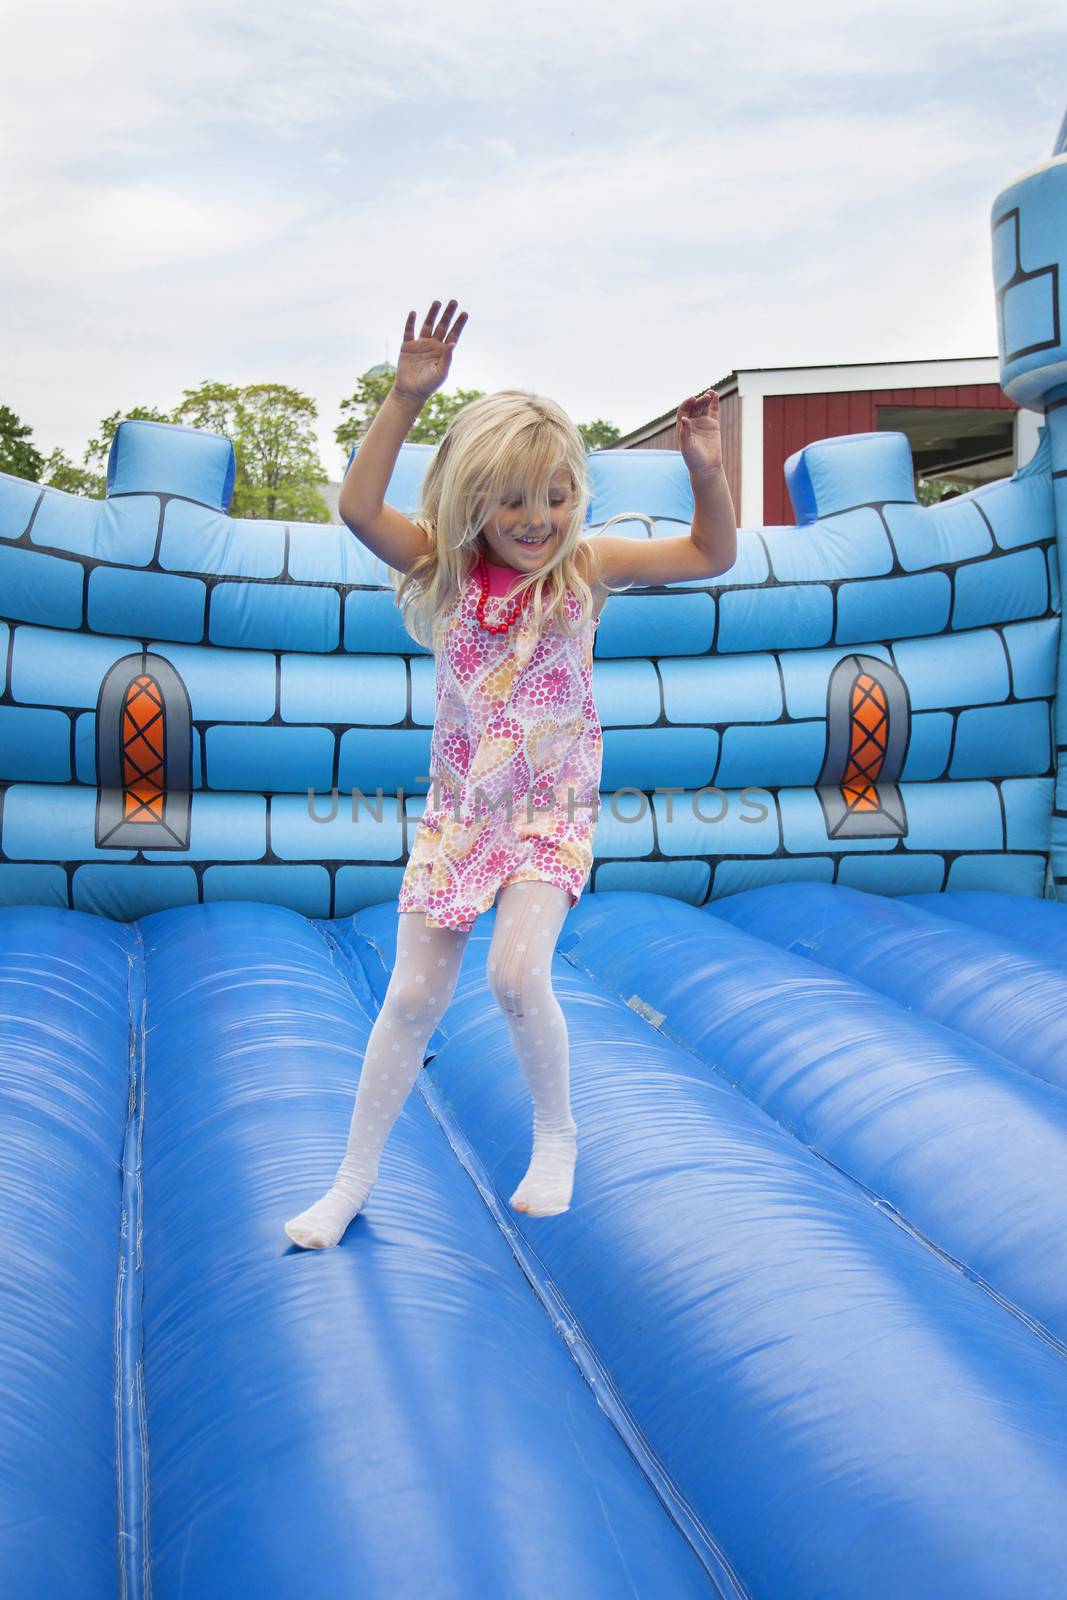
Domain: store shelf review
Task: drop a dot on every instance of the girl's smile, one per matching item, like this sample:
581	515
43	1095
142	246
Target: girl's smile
508	532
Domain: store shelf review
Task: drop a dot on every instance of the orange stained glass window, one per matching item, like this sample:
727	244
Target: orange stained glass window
142	751
868	732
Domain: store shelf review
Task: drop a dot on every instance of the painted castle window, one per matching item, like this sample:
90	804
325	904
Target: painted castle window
142	751
144	756
867	722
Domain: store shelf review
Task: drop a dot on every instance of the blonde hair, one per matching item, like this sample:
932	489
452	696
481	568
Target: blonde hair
491	446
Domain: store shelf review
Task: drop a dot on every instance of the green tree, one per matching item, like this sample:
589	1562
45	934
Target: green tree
270	424
599	435
214	406
62	473
280	453
929	493
18	456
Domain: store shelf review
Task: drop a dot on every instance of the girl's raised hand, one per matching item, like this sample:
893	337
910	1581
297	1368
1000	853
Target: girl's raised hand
423	363
699	434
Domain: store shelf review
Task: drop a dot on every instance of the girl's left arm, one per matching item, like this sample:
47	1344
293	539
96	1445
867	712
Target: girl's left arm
711	546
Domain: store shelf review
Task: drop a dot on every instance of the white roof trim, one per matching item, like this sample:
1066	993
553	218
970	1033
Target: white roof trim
869	375
750	511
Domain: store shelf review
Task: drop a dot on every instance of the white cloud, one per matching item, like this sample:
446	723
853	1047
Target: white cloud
627	201
125	232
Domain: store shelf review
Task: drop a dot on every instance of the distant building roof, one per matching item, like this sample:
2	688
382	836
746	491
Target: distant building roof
834	377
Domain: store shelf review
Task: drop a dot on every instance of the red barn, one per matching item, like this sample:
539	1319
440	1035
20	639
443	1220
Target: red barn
961	426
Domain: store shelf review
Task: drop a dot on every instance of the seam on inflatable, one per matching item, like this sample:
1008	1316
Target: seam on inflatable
703	1544
886	1207
131	1412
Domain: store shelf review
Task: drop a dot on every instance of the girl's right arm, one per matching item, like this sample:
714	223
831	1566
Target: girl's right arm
422	367
391	535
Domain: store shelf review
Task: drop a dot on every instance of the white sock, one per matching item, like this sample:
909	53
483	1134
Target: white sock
420	987
529	918
546	1189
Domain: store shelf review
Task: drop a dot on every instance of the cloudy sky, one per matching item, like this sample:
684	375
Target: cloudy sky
629	201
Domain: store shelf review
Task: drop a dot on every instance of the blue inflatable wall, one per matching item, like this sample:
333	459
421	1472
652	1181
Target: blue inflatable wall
803	1333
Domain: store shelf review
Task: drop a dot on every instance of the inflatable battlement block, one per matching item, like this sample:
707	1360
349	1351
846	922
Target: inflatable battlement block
858	469
163	458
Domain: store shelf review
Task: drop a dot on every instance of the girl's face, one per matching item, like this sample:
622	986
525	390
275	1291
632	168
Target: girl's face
507	526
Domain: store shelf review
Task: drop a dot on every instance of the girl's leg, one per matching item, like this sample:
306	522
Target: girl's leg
420	988
519	971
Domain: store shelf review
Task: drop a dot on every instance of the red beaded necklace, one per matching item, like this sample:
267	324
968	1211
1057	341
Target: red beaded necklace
515	606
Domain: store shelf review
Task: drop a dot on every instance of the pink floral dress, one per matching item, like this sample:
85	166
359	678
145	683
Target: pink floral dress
514	717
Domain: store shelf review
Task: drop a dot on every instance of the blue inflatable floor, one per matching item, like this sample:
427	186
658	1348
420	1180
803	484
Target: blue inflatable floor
801	1336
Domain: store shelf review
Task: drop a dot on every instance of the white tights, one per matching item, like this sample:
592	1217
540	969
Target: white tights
529	917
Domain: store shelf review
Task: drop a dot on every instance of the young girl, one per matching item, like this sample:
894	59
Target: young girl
496	578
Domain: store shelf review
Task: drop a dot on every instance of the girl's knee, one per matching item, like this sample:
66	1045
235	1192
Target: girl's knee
417	999
513	986
511	1000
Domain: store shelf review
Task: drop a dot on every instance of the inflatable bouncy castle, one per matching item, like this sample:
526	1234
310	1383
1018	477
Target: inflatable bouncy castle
803	1333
